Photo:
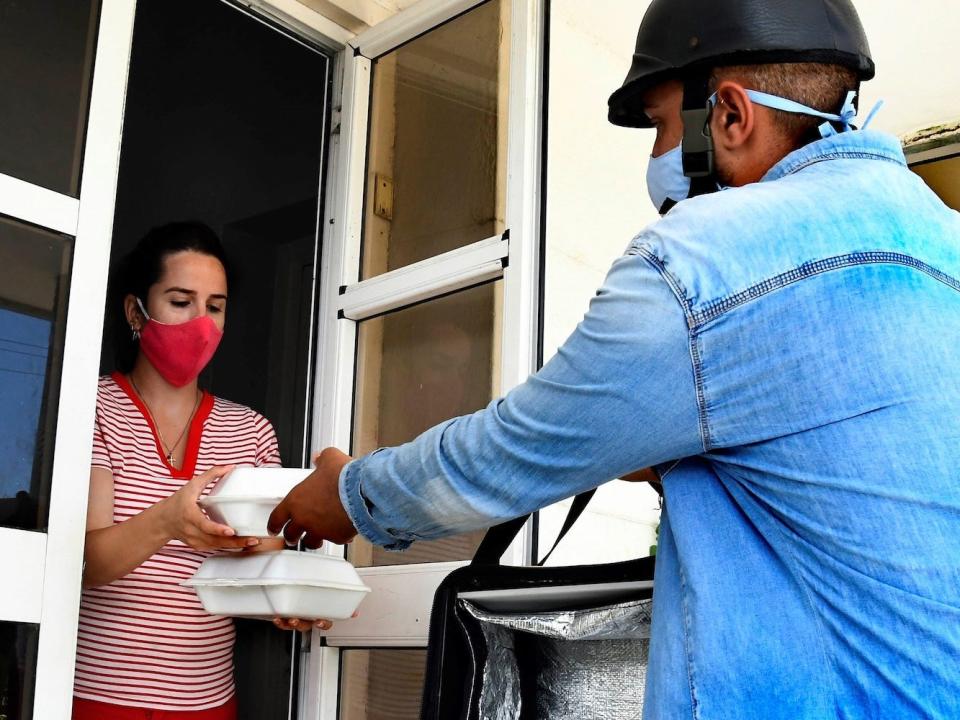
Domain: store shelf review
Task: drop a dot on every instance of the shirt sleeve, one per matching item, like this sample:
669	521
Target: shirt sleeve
268	448
619	395
101	454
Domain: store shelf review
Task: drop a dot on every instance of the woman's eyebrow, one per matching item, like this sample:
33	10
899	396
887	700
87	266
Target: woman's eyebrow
185	291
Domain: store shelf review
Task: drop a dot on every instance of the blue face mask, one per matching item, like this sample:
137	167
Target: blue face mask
666	182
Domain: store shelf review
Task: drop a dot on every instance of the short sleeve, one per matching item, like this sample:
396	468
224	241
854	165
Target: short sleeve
101	454
268	449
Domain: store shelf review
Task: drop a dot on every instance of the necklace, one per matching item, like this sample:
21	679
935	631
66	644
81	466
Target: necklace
169	449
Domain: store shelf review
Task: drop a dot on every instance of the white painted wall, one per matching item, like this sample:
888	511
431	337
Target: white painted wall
597	198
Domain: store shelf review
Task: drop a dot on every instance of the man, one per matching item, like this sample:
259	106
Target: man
782	352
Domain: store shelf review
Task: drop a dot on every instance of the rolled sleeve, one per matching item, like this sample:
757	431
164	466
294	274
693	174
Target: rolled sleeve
356	505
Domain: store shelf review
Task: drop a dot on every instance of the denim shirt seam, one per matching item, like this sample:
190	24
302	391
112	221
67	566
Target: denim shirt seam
717	308
681	296
834	155
688	650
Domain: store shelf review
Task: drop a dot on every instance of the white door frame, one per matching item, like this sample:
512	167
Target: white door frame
345	301
45	568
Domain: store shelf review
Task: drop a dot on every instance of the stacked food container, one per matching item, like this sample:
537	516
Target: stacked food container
283	583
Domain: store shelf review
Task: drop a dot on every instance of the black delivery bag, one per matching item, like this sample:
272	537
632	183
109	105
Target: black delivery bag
538	643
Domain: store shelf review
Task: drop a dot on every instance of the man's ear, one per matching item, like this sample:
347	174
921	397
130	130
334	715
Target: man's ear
734	116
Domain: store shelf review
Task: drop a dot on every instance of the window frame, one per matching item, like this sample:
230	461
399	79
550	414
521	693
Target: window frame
46	567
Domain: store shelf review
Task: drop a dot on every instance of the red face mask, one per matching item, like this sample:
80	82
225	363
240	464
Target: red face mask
179	352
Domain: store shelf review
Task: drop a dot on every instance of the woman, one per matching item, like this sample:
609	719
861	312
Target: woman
146	648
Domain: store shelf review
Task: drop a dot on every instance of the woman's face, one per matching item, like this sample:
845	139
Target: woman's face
192	284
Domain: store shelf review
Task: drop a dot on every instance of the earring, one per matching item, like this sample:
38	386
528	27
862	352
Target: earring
134	333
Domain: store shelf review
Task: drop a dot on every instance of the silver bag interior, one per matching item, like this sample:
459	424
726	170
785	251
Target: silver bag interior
578	664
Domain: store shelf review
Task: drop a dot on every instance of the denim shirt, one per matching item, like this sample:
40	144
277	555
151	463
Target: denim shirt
786	355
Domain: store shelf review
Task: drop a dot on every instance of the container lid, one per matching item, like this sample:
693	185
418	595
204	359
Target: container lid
257	482
281	567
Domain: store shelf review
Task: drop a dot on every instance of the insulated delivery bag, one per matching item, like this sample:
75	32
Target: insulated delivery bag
537	643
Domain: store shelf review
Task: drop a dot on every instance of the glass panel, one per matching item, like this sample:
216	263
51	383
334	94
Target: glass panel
943	177
34	279
436	164
18	667
46	62
382	684
418	367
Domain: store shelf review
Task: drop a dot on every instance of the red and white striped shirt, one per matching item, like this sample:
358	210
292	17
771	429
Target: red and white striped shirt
145	641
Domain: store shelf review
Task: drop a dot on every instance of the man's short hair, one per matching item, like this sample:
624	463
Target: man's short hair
819	86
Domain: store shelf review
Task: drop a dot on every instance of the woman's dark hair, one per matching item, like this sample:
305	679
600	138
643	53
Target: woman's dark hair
142	267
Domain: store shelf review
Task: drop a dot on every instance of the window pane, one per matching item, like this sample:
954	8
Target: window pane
46	62
18	667
416	368
34	279
382	684
436	163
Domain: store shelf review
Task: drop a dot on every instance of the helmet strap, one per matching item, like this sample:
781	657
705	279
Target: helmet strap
697	140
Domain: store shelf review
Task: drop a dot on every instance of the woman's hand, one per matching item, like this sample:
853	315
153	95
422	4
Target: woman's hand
303	626
186	522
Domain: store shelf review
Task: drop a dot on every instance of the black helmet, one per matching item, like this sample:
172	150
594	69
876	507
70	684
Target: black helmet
680	36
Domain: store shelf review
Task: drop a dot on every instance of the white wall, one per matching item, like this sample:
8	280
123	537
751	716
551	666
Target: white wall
597	199
918	69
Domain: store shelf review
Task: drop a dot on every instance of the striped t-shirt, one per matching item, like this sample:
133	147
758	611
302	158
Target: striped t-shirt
144	640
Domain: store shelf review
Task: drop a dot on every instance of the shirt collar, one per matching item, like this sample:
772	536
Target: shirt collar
862	144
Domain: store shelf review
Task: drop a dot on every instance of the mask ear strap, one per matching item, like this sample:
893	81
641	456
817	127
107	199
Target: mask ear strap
697	140
142	309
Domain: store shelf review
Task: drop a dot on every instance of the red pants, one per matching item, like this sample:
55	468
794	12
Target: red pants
92	710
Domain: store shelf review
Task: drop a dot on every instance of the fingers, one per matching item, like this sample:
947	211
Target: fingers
293	533
278	518
199	520
199	483
301	625
215	543
312	541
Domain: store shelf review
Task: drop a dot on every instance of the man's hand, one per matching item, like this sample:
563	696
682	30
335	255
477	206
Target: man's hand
312	510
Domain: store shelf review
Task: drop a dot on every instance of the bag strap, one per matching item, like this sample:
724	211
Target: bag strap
498	538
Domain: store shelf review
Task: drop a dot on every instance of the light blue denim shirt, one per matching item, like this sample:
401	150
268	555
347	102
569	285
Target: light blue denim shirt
786	354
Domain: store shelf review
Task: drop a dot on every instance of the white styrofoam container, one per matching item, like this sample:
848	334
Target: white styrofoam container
246	497
282	583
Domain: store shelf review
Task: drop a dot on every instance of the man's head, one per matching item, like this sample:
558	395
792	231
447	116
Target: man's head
749	138
727	64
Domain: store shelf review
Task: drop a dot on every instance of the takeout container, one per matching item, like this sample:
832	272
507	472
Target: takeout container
283	583
246	497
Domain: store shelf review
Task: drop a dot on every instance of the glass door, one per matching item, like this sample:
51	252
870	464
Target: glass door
434	258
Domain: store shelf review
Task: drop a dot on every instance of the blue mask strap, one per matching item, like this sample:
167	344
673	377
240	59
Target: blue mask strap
845	117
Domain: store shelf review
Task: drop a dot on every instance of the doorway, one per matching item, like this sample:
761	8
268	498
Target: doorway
226	123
